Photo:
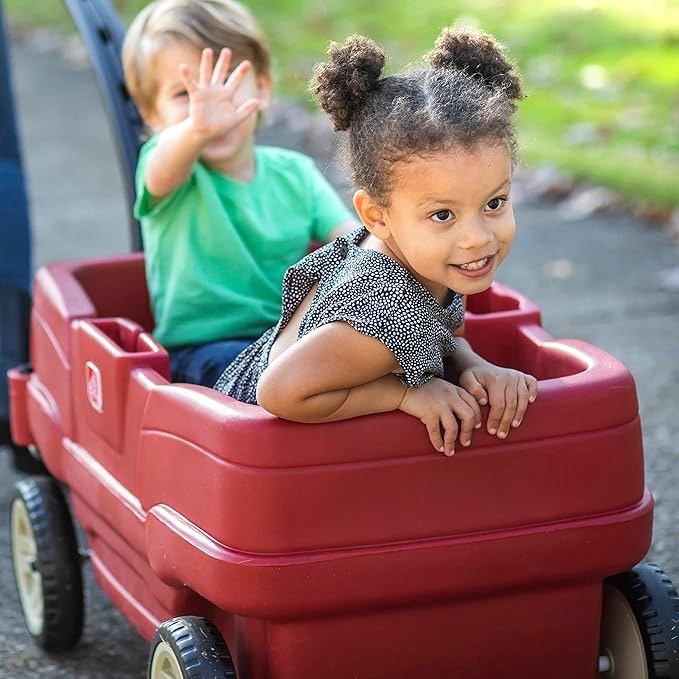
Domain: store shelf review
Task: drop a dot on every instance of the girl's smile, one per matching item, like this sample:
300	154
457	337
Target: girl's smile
477	269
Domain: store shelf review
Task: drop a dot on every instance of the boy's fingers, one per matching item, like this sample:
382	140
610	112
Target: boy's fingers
205	68
188	82
222	67
236	78
246	109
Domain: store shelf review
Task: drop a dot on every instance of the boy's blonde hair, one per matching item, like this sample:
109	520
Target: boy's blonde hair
201	23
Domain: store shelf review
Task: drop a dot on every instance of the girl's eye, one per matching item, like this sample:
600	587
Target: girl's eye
496	204
181	94
442	216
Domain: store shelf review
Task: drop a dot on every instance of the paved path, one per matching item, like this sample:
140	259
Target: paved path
595	279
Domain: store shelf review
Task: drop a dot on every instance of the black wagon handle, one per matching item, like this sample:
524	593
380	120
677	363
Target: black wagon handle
103	33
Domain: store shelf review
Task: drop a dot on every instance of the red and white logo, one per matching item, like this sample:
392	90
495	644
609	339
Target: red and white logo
93	384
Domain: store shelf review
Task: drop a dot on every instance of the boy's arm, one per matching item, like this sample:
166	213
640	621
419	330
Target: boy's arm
335	373
343	228
171	162
213	111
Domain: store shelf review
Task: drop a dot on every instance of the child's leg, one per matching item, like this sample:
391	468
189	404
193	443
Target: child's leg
204	363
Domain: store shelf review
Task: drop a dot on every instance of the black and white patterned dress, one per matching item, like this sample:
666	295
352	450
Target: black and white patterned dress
371	292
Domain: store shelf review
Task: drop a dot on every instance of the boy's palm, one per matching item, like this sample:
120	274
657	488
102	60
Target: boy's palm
213	109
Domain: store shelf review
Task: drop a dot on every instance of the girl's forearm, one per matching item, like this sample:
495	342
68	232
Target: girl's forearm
378	396
172	161
461	359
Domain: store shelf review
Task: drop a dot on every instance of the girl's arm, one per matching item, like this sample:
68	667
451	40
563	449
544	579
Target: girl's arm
336	372
508	391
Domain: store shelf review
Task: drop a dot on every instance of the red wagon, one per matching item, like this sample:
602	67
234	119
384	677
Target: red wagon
243	545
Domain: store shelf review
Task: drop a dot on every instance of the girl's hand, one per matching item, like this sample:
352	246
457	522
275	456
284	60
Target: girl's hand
436	404
508	391
213	104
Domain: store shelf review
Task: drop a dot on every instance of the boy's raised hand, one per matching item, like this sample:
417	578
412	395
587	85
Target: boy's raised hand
214	108
507	391
439	405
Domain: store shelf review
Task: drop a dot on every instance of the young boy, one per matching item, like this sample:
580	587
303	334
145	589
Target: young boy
222	219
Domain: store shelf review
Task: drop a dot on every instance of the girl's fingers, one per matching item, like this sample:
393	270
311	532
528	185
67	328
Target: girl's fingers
473	403
434	430
509	413
475	388
449	424
496	394
236	78
188	82
205	68
222	67
521	401
532	385
467	423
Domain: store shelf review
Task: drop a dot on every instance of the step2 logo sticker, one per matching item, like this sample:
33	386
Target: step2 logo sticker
93	384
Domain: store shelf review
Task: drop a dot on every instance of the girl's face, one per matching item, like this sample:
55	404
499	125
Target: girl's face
450	219
171	105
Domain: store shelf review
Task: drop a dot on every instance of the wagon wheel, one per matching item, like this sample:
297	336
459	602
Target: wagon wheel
46	564
189	648
640	625
26	462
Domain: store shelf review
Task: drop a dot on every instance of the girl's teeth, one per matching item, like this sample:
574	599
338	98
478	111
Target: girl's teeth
475	265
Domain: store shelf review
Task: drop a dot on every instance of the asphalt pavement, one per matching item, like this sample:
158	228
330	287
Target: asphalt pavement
595	277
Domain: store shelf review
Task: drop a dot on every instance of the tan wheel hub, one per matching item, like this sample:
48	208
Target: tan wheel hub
621	639
164	664
29	580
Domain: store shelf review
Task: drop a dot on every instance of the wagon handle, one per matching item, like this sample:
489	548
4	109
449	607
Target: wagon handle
103	34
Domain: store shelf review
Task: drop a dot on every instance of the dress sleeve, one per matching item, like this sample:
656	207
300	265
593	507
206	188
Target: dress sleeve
327	208
397	320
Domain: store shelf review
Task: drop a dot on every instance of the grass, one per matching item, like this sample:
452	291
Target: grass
601	75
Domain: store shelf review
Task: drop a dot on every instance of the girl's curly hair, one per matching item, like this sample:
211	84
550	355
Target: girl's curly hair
465	97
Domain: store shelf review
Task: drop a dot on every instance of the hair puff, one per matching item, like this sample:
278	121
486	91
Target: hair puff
342	85
479	55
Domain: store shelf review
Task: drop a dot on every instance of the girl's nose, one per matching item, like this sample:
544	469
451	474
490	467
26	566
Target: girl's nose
474	234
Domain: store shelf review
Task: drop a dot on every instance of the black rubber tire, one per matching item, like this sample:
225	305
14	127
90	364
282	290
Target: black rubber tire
655	604
197	646
57	562
25	463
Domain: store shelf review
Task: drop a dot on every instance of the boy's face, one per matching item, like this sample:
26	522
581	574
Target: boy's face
450	218
171	105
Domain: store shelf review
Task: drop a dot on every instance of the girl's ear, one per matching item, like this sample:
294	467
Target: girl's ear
371	214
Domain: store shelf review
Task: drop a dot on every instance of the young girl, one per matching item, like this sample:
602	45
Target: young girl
222	219
373	322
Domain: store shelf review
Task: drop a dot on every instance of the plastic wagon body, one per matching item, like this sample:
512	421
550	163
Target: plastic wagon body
339	550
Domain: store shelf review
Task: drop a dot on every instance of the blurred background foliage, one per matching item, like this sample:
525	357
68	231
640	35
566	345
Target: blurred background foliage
602	76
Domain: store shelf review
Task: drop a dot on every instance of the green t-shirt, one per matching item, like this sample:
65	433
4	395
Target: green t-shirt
216	248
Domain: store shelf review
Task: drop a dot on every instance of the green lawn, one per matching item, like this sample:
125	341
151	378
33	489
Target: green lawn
602	75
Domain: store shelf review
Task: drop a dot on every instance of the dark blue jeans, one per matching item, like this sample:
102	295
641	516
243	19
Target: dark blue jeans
204	363
15	240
